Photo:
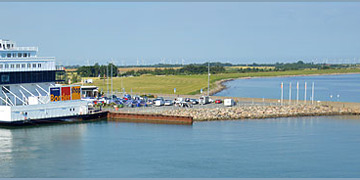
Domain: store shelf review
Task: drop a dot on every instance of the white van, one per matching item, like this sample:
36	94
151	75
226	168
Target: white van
229	102
204	100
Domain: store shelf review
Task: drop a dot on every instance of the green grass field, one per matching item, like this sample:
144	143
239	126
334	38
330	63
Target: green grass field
191	84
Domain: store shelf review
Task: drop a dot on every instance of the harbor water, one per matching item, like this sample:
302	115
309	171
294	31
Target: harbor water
324	147
283	147
345	88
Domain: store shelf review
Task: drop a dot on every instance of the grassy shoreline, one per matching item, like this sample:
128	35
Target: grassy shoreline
191	84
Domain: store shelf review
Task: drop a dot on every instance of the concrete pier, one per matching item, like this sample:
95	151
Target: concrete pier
248	108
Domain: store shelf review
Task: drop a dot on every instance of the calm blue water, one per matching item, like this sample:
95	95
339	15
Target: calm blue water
344	88
284	147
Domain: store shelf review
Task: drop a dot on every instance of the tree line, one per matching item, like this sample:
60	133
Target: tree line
98	70
215	68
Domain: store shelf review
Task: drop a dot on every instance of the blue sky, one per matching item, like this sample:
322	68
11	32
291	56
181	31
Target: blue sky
77	33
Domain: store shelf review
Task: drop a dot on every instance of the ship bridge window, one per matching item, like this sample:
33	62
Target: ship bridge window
1	66
6	66
5	78
8	55
3	55
17	65
23	65
19	54
39	65
12	65
29	65
0	45
25	54
8	46
34	66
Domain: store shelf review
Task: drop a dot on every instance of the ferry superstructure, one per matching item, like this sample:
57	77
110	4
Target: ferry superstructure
28	88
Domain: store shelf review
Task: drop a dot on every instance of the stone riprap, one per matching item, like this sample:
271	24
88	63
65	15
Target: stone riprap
257	112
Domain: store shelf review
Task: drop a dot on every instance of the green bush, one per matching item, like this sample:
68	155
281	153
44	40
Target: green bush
147	95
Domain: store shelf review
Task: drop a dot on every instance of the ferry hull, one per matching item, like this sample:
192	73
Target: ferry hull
65	119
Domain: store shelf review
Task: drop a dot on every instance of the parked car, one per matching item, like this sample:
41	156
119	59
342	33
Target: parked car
129	103
149	102
187	99
105	100
168	103
127	97
218	101
194	101
159	101
137	98
184	104
178	100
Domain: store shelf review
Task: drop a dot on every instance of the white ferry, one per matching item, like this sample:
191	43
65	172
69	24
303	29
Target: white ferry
28	89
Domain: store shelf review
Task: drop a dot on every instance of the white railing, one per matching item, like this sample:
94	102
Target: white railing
21	49
17	59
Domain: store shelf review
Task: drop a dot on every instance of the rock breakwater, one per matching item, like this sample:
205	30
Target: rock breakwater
258	112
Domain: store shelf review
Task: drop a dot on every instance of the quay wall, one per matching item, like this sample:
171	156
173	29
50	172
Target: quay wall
150	118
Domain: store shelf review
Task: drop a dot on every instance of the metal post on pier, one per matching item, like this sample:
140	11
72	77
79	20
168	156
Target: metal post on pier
282	93
312	93
290	93
305	94
297	92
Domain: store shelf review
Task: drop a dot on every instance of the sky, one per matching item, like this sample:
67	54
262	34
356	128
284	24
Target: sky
175	32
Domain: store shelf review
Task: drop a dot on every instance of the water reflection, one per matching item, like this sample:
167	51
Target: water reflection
24	150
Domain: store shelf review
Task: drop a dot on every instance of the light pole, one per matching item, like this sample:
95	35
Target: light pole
208	78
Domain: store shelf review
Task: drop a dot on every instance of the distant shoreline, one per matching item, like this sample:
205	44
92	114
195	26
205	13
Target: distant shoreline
220	85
